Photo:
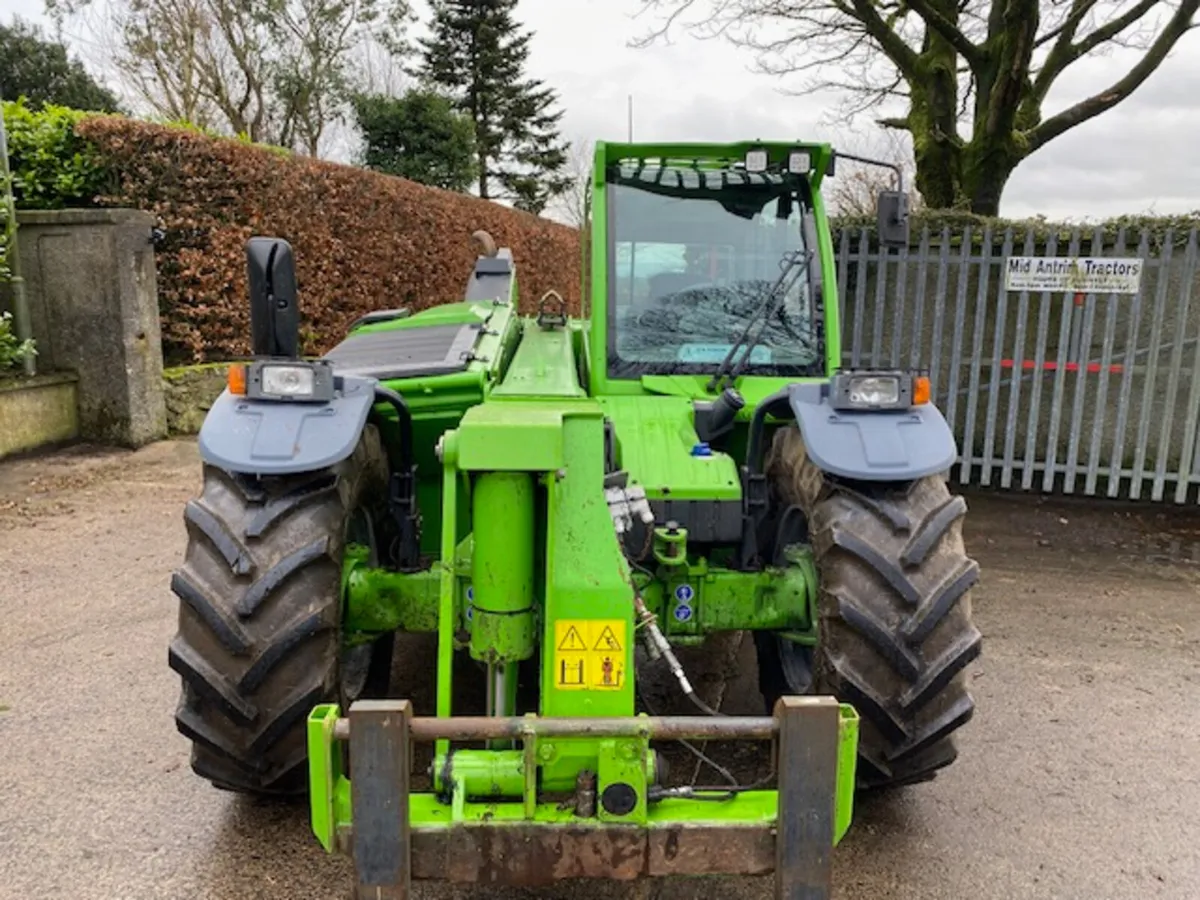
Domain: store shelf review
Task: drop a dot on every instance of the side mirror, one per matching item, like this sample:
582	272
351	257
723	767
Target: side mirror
274	314
892	219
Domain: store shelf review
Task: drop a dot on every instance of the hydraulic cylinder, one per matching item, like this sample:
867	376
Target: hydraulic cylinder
502	567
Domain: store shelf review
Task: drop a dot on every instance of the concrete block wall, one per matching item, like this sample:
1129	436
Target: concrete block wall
92	290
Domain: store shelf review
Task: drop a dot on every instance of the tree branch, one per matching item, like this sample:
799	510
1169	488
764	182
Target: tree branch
889	41
1113	28
681	7
1065	51
1069	25
948	31
1179	24
868	96
1002	97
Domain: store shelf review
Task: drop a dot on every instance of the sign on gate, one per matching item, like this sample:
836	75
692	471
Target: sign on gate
1066	397
1081	274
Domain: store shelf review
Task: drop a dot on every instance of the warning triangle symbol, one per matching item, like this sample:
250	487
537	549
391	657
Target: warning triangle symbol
607	640
572	640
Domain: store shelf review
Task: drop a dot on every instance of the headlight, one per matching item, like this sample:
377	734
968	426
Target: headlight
310	381
799	162
874	390
288	381
878	390
757	160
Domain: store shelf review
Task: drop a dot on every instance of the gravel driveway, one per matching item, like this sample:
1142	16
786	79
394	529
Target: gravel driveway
1077	778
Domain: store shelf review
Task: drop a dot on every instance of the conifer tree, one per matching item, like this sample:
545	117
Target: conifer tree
41	70
418	136
476	53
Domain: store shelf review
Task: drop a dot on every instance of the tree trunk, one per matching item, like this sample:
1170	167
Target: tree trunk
483	175
994	152
953	174
986	170
938	179
933	123
971	178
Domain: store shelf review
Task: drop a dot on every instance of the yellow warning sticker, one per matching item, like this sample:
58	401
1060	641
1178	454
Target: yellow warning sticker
572	640
607	640
589	654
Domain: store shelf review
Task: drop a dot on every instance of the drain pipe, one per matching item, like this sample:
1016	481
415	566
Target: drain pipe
20	305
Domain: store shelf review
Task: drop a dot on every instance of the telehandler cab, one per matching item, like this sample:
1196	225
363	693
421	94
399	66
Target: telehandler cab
564	502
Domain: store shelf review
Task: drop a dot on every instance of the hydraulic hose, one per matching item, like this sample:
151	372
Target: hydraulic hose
773	404
404	420
402	487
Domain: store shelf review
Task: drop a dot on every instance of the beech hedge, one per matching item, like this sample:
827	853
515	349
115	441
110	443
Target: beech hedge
362	240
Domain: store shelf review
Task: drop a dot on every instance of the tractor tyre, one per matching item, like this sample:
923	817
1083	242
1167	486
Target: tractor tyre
259	642
894	629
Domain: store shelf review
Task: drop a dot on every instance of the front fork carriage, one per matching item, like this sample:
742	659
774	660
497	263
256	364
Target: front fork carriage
576	798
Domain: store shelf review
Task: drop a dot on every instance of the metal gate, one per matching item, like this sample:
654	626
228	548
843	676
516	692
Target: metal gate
1093	394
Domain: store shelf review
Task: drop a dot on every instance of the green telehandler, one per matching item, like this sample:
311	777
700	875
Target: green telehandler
561	504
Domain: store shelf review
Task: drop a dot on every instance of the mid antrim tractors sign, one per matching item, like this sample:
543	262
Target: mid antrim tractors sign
1079	275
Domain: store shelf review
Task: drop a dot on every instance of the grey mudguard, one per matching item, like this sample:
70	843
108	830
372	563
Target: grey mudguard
872	445
265	437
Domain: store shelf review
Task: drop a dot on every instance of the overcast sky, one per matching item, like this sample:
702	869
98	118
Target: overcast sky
1136	158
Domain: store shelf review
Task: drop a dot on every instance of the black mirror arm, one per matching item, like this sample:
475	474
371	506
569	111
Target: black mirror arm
867	161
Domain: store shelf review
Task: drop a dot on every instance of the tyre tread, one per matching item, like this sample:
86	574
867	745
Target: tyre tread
235	553
231	635
870	626
207	682
279	648
278	508
258	643
895	635
931	530
275	576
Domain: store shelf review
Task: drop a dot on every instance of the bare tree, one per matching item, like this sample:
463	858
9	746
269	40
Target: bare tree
572	205
114	37
378	69
972	75
276	71
855	187
177	30
235	67
314	72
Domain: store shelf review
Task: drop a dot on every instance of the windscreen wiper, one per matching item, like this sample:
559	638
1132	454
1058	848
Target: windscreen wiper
795	264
